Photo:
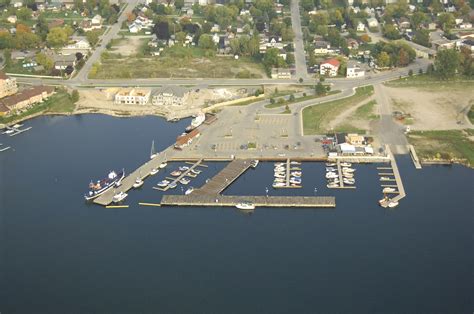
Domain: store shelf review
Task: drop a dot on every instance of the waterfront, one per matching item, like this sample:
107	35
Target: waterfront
60	255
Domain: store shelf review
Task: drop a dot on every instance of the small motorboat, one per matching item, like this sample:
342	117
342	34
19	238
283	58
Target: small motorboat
245	205
194	171
10	131
348	181
189	191
331	175
280	175
16	126
163	183
176	173
383	201
163	164
295	163
184	181
330	164
348	175
296	173
254	163
332	185
295	169
279	180
330	169
388	190
295	180
138	183
119	197
172	185
295	185
392	204
385	179
183	168
279	184
280	164
347	169
279	169
154	171
346	164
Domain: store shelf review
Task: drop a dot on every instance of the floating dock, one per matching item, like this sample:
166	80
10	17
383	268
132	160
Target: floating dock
397	179
224	178
258	201
414	157
288	184
183	174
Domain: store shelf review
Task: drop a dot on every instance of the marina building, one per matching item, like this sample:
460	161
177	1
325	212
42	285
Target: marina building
170	96
132	96
7	85
26	99
354	70
186	139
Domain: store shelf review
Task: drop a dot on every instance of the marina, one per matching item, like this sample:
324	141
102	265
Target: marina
287	175
175	181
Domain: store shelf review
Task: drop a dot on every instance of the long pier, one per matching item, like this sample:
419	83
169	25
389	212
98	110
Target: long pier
397	179
258	201
224	178
141	172
414	157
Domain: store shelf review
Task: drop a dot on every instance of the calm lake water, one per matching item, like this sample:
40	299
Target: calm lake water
60	255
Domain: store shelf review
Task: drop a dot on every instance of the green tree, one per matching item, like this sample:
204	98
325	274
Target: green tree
383	59
320	89
205	42
75	96
45	61
391	32
417	19
446	63
447	21
179	4
93	36
24	14
422	37
57	37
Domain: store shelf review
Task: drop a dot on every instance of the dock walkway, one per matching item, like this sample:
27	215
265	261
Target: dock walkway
183	174
224	178
414	157
397	179
258	201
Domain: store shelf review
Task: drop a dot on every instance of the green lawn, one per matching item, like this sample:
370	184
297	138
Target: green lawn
179	62
57	103
300	99
316	117
366	111
446	145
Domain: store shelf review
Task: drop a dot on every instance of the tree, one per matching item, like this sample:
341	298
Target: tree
57	37
417	19
93	36
446	63
45	61
403	58
179	4
6	40
391	32
75	96
23	14
320	89
205	42
383	60
447	21
292	97
365	38
410	72
235	46
422	37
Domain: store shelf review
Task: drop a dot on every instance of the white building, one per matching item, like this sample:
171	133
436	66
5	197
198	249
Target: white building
132	97
372	22
329	67
360	27
170	96
12	19
354	70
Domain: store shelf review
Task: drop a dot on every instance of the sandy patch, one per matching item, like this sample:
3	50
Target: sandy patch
128	46
431	110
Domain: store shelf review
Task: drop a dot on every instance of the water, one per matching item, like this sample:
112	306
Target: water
59	255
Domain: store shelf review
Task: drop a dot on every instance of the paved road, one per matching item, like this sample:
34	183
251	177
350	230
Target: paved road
112	32
300	57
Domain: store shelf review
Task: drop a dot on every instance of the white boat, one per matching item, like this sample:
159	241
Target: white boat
196	121
348	181
176	173
330	164
183	168
279	175
154	171
346	164
163	183
278	184
194	171
138	183
296	173
347	169
16	126
295	163
10	131
279	180
245	205
392	204
295	169
162	165
385	179
184	181
332	185
172	185
295	181
189	191
153	154
254	163
331	175
348	175
277	169
388	190
280	164
119	197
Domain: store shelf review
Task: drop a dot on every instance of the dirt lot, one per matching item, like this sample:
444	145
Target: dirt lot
128	46
431	109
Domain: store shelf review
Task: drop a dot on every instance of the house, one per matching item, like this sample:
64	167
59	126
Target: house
469	44
12	19
132	96
89	25
26	98
355	139
170	96
81	45
404	23
354	70
329	67
62	62
186	139
97	22
321	47
372	22
7	85
360	27
56	23
281	73
17	3
441	44
465	25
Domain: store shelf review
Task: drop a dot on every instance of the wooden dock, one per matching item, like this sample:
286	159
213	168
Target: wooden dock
414	157
177	179
258	201
397	179
141	172
224	178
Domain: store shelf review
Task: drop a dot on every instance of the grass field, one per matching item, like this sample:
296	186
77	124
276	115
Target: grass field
300	99
446	145
316	117
57	103
366	111
179	62
429	82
